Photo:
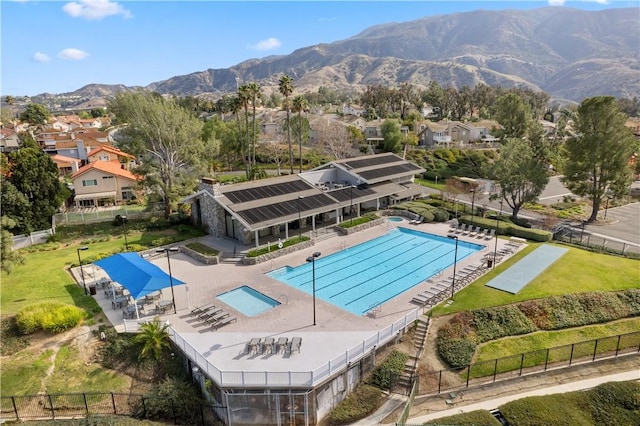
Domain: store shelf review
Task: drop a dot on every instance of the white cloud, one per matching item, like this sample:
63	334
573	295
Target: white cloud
268	44
72	54
95	9
556	2
41	57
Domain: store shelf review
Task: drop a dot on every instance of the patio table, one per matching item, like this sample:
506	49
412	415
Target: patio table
164	305
119	302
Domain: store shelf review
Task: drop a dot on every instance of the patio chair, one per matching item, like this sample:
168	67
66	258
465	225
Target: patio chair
224	321
294	345
474	232
212	319
268	344
466	229
282	343
460	228
198	310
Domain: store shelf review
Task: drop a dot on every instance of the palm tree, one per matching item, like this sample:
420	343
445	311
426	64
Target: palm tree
154	338
285	85
244	95
300	104
255	92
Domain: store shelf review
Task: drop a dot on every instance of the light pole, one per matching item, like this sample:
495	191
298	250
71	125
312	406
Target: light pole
455	261
170	250
84	284
606	207
124	224
300	197
584	222
312	259
495	250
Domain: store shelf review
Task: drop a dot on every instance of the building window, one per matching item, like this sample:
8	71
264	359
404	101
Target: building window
89	182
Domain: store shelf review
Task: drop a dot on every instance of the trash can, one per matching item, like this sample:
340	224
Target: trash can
489	263
92	290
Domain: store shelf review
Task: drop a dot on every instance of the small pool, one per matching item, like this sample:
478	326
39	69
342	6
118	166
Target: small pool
248	301
395	219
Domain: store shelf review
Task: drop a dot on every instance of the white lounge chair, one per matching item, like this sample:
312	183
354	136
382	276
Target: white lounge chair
490	234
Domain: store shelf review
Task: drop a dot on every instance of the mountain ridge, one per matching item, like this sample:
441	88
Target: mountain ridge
568	53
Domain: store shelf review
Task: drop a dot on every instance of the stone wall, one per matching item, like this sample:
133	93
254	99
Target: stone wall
202	258
362	227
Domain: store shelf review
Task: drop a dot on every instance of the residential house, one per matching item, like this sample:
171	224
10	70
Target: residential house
103	183
353	109
9	140
434	135
109	153
465	133
66	165
355	121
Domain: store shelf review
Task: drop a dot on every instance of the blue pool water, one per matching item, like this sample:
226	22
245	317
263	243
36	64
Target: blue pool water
394	219
248	301
363	276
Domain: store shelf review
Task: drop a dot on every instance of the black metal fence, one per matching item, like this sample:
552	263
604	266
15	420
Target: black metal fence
581	237
491	371
83	405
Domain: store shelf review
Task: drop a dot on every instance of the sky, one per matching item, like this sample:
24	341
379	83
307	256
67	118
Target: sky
60	46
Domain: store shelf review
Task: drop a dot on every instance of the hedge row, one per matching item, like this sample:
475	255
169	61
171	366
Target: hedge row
472	418
506	228
273	247
52	317
457	340
615	403
357	405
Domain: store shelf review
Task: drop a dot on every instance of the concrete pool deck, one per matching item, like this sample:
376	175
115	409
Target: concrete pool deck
336	333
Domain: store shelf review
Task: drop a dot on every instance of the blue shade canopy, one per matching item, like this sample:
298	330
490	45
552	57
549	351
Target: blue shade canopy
136	274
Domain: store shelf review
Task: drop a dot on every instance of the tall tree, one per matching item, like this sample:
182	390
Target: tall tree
598	157
36	114
521	175
31	190
300	105
166	137
392	137
514	116
255	94
285	86
8	257
244	94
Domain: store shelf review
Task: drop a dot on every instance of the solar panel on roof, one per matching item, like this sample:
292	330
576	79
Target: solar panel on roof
388	171
267	191
373	161
346	194
286	208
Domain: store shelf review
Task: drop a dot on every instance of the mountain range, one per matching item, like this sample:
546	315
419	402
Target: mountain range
569	53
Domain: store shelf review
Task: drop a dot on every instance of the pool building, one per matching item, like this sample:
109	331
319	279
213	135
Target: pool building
294	353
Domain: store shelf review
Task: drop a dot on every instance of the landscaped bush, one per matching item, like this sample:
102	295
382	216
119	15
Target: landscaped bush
505	228
384	375
174	398
53	317
359	404
424	208
203	249
608	404
473	418
457	340
359	220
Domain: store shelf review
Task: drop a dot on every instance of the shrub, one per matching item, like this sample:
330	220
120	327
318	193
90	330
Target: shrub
172	399
440	215
501	321
53	317
386	373
457	353
359	404
202	248
274	247
359	220
505	228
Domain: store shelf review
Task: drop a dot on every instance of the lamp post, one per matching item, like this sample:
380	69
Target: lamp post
170	250
584	222
300	197
455	261
495	250
84	284
124	224
606	207
312	259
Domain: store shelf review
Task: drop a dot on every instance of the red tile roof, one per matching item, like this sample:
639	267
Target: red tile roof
109	167
111	150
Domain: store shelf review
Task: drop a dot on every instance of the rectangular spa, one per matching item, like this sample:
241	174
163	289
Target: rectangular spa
248	301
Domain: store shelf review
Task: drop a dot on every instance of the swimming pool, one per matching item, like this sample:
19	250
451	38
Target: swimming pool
394	219
248	301
361	277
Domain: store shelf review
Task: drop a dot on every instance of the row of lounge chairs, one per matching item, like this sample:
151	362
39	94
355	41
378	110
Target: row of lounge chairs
213	316
265	345
442	289
471	231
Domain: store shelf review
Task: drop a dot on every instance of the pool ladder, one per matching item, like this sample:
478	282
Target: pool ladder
283	296
374	309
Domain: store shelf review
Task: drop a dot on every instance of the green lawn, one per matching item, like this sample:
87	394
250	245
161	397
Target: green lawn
548	339
576	271
440	186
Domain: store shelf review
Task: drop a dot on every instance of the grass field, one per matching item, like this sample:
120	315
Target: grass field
576	271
